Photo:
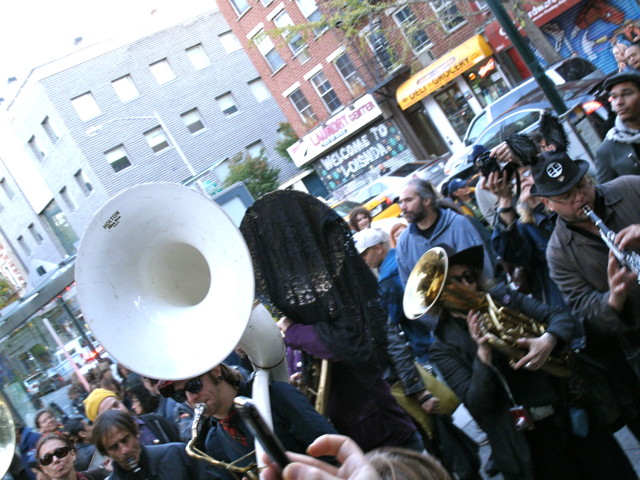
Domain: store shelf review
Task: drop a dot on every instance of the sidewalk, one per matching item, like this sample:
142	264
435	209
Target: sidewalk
463	420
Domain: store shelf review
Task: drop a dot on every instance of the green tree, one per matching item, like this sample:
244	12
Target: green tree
256	174
288	138
7	293
351	16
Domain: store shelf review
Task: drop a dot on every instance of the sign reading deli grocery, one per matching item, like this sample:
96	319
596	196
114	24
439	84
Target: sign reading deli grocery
442	71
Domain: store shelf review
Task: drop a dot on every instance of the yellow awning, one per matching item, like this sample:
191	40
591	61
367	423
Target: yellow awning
443	70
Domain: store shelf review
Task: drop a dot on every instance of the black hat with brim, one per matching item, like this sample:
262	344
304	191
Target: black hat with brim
629	75
555	174
472	257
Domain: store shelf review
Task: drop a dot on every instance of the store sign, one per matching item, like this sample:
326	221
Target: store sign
540	13
381	142
442	71
334	130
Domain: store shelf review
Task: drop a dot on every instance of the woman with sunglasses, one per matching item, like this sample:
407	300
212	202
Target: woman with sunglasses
55	455
523	410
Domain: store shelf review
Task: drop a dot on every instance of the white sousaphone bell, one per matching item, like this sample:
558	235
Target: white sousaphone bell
165	282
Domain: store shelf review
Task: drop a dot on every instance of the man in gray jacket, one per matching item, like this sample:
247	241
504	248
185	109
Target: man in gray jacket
597	289
619	154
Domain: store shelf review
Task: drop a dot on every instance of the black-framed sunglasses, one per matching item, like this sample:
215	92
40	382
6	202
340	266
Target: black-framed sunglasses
192	386
467	276
47	458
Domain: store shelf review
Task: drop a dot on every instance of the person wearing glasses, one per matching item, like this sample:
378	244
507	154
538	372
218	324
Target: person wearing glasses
224	436
522	408
619	153
116	436
595	286
55	456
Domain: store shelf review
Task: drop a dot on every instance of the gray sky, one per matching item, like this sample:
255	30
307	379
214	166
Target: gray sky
34	32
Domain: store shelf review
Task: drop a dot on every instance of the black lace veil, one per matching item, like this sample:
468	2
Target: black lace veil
307	267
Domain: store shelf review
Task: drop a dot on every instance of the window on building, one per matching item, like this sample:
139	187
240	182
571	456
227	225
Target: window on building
35	234
266	2
312	13
229	42
198	56
408	23
162	71
157	139
6	188
23	244
1	207
222	169
35	148
83	182
86	107
268	51
48	129
125	88
448	14
302	106
117	158
256	149
325	90
259	90
349	74
60	227
294	40
381	49
193	120
227	104
240	6
66	198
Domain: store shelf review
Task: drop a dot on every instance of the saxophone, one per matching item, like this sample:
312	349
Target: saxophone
427	288
630	260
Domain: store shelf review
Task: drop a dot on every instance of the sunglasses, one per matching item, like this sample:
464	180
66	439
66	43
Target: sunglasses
192	386
467	276
47	458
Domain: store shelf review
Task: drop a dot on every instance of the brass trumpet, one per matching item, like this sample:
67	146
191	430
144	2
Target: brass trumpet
427	287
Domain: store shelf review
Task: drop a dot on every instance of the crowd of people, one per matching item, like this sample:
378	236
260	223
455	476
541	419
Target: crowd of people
549	393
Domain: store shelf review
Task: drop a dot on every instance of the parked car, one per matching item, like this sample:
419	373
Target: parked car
388	186
431	170
524	117
32	383
568	70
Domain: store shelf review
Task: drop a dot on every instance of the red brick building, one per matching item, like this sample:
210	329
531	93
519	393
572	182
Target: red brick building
339	92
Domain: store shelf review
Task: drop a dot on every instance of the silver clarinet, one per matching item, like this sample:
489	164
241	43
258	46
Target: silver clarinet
631	260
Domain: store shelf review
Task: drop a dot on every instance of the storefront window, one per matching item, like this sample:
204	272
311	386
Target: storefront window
486	81
34	371
452	102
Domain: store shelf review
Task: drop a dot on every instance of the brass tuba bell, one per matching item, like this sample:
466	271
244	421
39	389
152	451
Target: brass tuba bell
427	287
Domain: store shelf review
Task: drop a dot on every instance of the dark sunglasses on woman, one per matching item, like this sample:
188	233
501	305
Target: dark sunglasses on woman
168	390
47	458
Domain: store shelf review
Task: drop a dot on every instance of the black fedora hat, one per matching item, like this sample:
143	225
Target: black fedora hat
628	75
555	173
472	257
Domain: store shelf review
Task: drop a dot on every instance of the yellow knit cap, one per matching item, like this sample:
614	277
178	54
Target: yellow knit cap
93	401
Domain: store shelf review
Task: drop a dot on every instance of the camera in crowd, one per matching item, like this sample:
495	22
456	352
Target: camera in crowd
488	164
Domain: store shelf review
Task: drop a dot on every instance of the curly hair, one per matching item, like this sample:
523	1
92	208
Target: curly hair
353	217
